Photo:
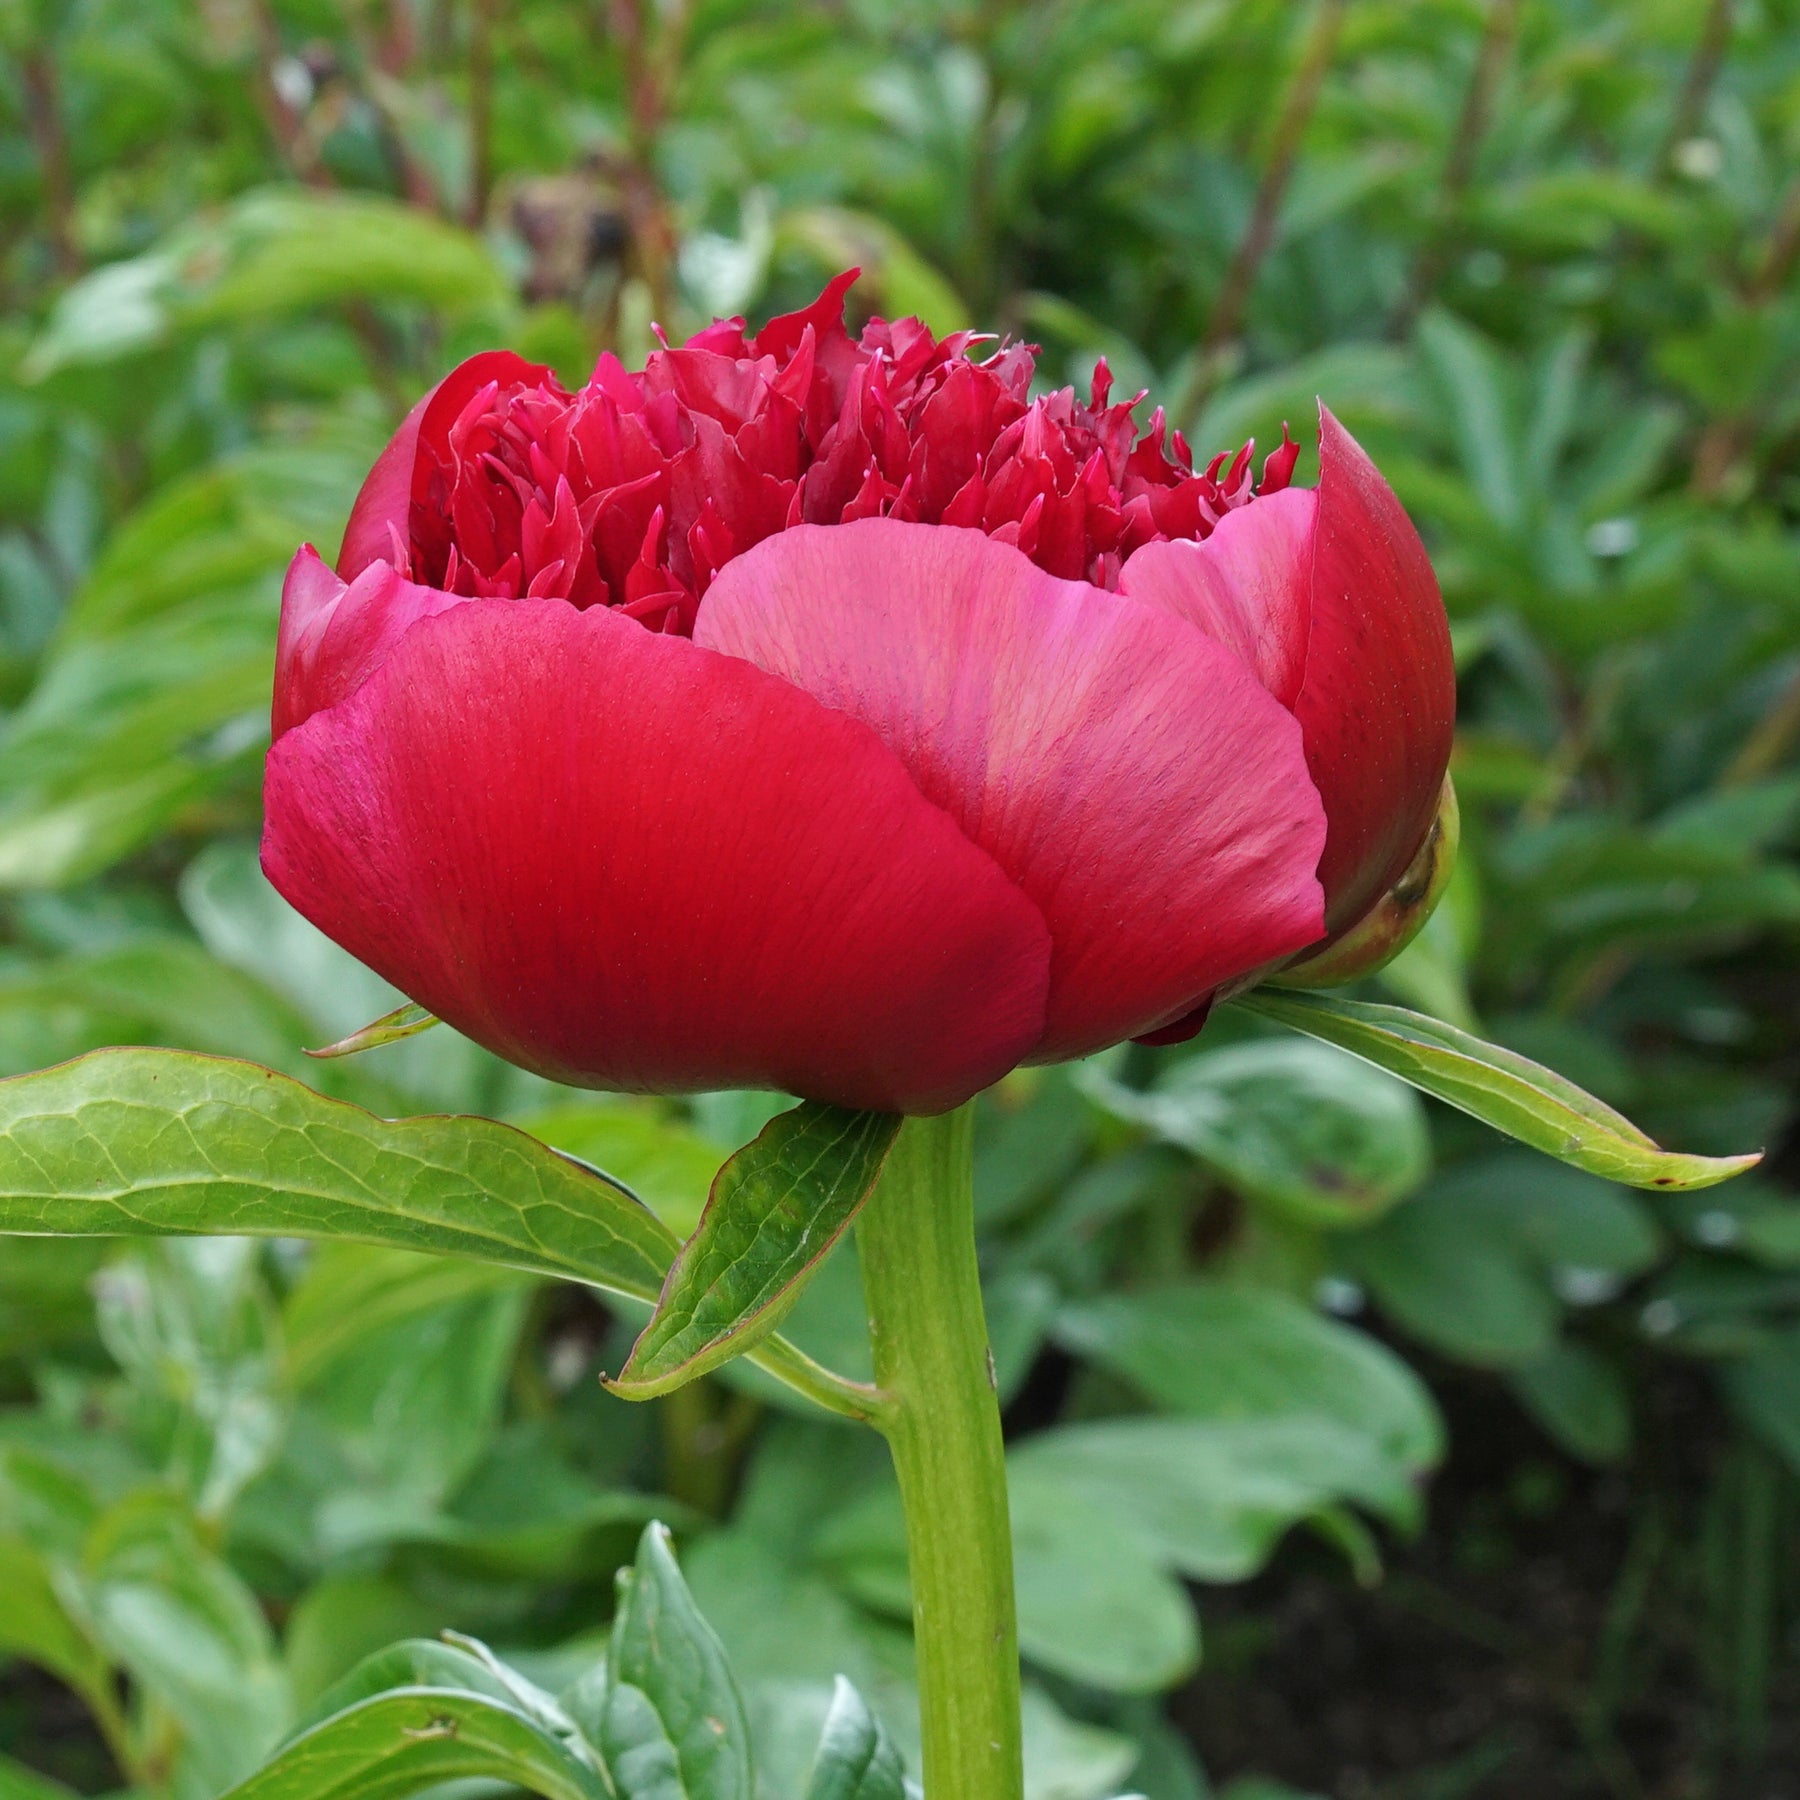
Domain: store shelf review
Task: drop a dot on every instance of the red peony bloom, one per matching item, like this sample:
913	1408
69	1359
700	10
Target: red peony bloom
827	714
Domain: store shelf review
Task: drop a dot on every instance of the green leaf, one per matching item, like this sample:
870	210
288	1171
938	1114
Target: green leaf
20	1783
271	251
1466	368
455	1663
667	1717
155	691
1580	1399
1467	1290
1764	1391
351	1291
668	1166
342	1619
776	1209
391	1028
1212	1497
857	1759
1475	1265
1504	1090
37	1626
1217	1350
444	1372
135	1142
1095	1603
1303	1128
409	1739
189	1632
44	1295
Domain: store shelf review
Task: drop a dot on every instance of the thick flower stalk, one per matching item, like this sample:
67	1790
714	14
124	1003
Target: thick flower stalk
827	714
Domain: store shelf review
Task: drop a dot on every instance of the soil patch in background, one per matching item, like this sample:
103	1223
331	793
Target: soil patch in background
1557	1633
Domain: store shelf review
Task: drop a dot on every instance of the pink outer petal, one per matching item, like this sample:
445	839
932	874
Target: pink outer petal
385	499
628	862
1248	586
334	636
1379	702
1130	775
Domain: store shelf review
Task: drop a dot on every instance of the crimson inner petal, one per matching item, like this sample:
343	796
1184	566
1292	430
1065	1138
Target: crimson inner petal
636	490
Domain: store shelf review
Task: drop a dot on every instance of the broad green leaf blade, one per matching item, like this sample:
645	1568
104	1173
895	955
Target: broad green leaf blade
1580	1399
1291	1124
775	1210
391	1028
352	1293
1212	1497
456	1664
666	1716
1096	1604
154	692
189	1633
1231	1350
271	251
161	1142
857	1759
1502	1089
412	1738
36	1627
669	1166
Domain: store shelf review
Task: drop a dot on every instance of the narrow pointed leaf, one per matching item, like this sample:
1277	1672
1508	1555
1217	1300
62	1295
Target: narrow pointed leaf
408	1739
403	1022
857	1759
1502	1089
667	1717
775	1210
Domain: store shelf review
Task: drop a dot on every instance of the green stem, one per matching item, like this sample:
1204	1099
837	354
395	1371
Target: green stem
916	1237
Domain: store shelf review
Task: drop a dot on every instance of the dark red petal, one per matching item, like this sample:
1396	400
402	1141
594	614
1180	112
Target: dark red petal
1181	1030
384	502
386	496
782	335
1128	773
1248	586
334	635
1379	701
625	861
444	405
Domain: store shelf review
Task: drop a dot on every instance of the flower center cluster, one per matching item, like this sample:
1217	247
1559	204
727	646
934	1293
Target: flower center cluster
635	491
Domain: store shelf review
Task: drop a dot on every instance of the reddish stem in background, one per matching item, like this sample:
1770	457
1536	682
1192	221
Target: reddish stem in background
286	125
1498	36
1702	75
43	120
651	60
481	108
1726	439
1296	112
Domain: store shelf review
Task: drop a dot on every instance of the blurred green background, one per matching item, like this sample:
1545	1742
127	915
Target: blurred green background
1354	1453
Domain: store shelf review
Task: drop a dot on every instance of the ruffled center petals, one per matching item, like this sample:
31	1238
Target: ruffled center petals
1248	586
628	862
335	634
383	507
1132	776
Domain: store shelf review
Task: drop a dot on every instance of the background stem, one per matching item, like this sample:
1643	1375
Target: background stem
917	1240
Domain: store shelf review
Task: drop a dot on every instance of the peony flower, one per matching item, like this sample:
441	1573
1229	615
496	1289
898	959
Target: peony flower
828	714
